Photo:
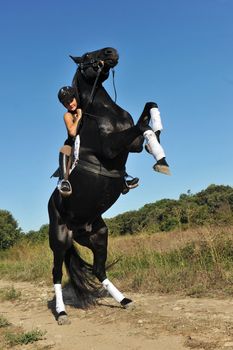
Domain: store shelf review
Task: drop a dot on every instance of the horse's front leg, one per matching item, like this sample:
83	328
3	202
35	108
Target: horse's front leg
137	145
99	243
116	142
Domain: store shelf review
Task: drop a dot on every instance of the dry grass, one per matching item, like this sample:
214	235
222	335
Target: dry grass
27	262
168	241
194	262
9	294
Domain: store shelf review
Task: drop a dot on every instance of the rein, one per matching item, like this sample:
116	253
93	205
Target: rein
100	68
113	83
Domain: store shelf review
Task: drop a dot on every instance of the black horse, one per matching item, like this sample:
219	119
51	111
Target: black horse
107	135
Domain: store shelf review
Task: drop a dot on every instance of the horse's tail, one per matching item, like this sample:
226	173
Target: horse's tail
81	278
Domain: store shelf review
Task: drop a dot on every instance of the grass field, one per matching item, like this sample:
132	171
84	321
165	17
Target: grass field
192	262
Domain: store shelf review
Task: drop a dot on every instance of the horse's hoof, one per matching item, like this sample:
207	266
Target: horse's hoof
150	105
163	169
63	319
144	120
127	303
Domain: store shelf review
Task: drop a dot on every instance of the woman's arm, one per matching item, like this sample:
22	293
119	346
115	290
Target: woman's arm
72	121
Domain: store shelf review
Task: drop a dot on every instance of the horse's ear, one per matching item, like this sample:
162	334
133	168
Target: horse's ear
76	59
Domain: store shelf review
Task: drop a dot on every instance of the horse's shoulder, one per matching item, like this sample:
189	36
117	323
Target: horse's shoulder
115	118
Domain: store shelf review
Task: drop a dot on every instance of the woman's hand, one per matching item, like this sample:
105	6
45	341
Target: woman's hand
78	115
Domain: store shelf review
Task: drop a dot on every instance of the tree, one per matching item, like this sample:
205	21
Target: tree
38	236
10	233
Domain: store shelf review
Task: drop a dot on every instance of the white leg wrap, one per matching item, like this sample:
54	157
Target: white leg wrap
156	148
156	123
113	291
76	147
59	299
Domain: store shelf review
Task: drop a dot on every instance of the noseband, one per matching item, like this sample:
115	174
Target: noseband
96	64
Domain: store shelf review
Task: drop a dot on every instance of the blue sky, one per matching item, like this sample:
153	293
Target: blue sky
178	53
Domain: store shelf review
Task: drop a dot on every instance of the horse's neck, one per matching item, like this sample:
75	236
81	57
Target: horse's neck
85	90
102	106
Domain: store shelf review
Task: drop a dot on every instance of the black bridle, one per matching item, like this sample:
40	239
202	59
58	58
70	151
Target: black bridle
99	65
92	63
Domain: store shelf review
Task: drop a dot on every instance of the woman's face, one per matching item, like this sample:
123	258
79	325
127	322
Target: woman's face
72	106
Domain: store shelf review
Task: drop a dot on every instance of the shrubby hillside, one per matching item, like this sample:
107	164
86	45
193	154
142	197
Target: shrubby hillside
214	205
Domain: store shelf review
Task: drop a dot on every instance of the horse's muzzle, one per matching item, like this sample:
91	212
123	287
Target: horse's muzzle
111	57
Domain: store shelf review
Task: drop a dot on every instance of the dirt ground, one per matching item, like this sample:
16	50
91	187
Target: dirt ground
156	322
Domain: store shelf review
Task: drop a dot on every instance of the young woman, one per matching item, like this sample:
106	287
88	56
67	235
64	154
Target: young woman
72	117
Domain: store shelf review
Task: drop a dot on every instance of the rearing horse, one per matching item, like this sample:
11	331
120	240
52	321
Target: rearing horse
107	135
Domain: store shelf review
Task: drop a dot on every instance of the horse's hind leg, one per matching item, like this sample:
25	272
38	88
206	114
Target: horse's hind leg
99	243
60	239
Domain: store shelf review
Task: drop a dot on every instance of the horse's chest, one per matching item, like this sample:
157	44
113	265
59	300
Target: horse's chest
112	122
109	116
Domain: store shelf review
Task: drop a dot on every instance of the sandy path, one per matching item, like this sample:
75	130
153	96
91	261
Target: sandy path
156	322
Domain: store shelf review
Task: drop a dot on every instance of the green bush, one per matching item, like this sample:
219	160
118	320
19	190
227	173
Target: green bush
10	233
213	206
13	339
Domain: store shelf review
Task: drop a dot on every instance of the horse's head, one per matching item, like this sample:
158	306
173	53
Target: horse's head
91	62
